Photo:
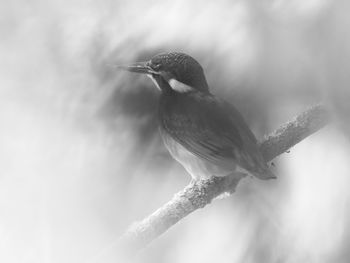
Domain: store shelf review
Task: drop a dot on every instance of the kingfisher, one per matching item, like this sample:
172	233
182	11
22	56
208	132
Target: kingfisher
205	134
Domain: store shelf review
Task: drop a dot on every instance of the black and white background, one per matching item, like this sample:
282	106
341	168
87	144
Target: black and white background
80	154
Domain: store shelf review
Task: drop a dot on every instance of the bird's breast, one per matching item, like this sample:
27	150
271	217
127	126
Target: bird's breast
197	167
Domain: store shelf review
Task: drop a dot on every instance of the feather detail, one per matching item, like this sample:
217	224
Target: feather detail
179	86
213	133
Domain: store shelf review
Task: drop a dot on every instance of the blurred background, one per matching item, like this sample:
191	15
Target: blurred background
80	154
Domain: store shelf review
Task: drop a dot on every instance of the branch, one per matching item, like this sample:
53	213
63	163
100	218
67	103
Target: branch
201	193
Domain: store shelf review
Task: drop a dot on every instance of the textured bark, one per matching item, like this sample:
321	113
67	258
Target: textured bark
294	131
201	193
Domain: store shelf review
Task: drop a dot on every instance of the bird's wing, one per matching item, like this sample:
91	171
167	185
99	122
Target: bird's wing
214	131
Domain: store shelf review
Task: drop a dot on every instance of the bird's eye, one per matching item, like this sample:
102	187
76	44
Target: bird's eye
156	66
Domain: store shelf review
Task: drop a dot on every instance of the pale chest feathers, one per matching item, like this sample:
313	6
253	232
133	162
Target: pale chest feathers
197	167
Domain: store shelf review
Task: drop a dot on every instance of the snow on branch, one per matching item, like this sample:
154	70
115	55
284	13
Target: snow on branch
201	193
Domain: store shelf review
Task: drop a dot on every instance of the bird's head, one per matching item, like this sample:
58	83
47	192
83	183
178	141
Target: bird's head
172	71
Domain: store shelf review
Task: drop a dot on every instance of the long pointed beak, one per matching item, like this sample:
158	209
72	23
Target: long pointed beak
138	67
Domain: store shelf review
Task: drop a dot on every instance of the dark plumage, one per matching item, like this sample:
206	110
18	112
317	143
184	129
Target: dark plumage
208	136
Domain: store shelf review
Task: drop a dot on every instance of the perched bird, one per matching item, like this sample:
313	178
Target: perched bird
205	134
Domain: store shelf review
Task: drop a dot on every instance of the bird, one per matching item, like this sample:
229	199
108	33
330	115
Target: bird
205	134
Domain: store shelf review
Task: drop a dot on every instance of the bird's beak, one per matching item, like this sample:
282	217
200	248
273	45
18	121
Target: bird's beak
138	67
